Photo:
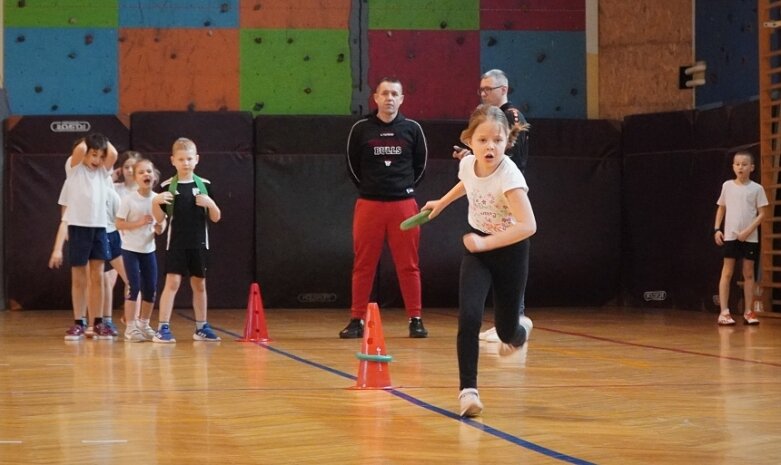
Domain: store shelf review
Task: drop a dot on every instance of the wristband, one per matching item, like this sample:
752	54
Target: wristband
715	230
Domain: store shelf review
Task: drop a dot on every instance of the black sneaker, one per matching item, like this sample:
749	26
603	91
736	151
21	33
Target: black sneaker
353	330
416	328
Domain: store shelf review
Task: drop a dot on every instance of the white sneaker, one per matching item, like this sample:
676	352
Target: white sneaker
527	324
133	334
489	335
506	349
146	330
470	402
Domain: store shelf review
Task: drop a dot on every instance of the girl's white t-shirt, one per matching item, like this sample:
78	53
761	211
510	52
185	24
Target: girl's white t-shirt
489	210
133	207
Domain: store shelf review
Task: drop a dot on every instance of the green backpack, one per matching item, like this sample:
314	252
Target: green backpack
169	209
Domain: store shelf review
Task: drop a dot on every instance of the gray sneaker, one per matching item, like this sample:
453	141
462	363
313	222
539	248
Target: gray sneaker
133	334
146	330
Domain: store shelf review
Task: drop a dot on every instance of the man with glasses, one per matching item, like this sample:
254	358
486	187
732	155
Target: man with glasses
493	91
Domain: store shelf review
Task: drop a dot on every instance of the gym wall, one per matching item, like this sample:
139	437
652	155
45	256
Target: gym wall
621	210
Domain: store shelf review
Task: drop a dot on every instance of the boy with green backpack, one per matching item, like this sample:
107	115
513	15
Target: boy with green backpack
189	208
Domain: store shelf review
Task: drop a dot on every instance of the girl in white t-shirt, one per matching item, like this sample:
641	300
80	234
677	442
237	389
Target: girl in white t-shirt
139	227
497	252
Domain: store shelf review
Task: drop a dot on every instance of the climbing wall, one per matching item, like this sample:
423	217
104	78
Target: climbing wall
439	50
726	39
298	57
61	59
157	66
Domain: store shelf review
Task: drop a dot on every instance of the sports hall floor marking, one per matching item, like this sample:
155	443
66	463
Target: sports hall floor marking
669	349
420	403
103	441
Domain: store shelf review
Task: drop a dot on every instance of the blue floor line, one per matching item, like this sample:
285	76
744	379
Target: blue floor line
433	408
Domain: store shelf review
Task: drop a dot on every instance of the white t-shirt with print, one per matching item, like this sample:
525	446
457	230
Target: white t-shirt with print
489	210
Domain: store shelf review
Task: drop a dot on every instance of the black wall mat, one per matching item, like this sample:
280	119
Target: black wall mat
225	142
574	178
36	150
304	230
658	132
291	135
711	128
744	124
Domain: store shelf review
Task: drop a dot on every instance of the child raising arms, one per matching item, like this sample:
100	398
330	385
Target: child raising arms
497	252
85	194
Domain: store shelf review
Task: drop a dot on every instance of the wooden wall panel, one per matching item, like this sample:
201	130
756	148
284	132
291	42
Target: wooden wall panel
641	46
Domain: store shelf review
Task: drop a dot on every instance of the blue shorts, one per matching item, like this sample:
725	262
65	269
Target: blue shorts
744	250
114	248
85	244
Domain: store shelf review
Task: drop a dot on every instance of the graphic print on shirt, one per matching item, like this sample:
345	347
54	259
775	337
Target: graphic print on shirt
387	146
493	215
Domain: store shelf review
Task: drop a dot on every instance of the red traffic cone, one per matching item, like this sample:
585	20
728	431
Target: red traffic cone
373	372
255	324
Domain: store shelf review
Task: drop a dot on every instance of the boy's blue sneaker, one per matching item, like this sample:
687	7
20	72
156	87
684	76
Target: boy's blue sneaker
164	335
206	334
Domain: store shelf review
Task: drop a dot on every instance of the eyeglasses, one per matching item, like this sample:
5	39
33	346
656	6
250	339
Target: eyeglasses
485	90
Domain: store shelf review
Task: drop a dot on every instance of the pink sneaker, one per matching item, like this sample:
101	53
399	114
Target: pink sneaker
103	332
750	318
74	333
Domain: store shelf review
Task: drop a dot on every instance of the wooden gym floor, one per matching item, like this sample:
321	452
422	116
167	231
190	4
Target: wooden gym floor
607	386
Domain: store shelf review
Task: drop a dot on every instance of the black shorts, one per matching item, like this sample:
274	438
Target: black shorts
186	262
744	250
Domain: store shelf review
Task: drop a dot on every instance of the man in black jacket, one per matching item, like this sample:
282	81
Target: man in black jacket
386	157
494	88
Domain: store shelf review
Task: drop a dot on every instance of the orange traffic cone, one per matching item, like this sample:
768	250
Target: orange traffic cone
255	325
373	370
